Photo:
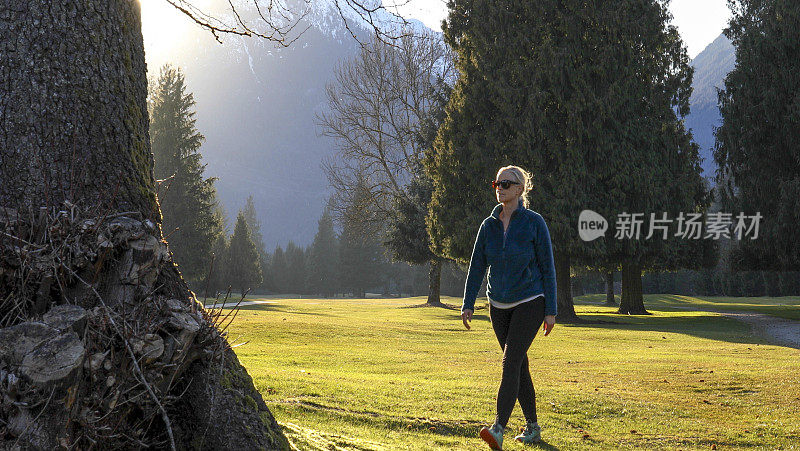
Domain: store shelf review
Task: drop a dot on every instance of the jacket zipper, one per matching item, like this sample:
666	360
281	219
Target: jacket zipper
503	254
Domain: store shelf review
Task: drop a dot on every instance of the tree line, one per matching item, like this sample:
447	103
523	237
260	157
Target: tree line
598	117
212	259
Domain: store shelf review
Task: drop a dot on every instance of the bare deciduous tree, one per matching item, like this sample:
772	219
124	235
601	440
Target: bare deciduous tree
378	106
281	21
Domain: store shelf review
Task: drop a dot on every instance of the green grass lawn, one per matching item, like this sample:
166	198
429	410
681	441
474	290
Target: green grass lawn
376	374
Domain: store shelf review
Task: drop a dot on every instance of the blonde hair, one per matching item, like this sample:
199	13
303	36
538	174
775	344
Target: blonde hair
523	177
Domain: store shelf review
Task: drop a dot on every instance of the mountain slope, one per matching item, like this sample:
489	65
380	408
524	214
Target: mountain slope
256	105
710	68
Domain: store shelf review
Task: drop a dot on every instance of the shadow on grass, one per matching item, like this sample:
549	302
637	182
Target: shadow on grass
376	420
710	326
276	308
711	323
441	305
464	428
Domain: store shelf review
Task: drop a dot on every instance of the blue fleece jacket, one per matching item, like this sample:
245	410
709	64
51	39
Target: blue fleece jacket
520	261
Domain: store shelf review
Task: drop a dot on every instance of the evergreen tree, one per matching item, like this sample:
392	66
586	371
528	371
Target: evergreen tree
218	278
188	200
254	225
323	258
407	235
756	149
244	269
360	253
267	272
295	268
583	97
278	270
215	278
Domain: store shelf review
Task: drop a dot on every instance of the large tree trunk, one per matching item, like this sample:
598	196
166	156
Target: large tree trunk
632	302
609	276
566	308
577	286
101	342
434	282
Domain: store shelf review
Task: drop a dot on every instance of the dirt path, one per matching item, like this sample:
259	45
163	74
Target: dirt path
781	331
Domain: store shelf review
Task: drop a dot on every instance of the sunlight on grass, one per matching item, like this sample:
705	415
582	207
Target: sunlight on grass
366	374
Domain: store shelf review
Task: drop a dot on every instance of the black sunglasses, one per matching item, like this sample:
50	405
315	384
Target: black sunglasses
505	184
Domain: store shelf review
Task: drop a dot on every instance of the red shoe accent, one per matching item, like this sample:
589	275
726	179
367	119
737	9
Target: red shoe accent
488	438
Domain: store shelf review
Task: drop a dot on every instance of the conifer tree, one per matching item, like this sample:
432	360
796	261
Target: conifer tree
278	270
323	258
295	268
188	199
254	225
76	139
583	97
407	235
360	252
757	145
218	276
244	269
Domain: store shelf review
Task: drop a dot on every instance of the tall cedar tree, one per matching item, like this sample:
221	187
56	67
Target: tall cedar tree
244	269
323	258
503	110
188	200
757	145
627	114
582	97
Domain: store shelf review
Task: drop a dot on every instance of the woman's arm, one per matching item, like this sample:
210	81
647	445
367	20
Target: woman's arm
477	269
544	258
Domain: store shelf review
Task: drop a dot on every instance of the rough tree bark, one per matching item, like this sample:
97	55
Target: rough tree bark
566	307
87	285
609	276
434	282
631	301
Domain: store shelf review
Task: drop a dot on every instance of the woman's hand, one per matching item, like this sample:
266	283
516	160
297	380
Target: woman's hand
549	322
466	317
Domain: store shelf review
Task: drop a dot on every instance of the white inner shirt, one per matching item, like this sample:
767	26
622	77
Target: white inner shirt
514	304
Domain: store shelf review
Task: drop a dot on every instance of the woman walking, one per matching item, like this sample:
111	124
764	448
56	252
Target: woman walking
514	244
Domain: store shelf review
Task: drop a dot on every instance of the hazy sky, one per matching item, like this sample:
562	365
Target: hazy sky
699	22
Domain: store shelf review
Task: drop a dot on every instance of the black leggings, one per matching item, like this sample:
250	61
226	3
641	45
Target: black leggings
515	329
